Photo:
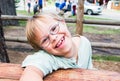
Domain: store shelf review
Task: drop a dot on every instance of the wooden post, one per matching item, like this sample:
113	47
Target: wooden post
80	13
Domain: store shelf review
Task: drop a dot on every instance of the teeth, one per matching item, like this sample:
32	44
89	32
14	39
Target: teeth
60	42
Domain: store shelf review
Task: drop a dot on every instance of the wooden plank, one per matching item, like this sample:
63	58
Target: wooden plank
69	20
83	75
102	22
16	39
13	17
94	44
12	72
105	45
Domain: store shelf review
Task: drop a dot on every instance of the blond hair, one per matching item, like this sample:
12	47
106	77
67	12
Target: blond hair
32	23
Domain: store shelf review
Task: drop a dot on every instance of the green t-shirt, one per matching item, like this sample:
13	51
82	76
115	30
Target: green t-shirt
48	62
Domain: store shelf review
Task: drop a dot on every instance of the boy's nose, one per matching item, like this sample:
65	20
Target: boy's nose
53	37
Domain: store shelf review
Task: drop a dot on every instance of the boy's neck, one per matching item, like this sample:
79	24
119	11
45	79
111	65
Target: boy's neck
74	51
76	43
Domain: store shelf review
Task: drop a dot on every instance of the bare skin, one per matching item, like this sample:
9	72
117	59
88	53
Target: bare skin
31	71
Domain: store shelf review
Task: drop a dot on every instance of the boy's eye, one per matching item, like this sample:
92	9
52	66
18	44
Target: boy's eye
53	29
45	40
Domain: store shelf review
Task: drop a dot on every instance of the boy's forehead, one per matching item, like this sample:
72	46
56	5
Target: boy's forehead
40	32
42	27
46	23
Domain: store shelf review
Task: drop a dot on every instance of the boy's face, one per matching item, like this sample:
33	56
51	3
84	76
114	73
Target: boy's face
54	37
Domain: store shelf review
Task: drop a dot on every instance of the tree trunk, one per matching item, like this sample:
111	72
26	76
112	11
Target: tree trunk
80	13
8	8
3	52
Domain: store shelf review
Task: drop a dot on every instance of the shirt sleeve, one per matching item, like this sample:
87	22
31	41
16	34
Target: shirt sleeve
42	61
85	54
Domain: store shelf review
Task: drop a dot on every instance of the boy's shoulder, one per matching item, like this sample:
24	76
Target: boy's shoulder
39	54
37	58
84	38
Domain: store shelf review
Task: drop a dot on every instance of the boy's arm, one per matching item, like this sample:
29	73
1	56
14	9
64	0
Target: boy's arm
31	73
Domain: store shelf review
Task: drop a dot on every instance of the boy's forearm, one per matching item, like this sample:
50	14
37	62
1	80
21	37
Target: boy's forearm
30	78
31	74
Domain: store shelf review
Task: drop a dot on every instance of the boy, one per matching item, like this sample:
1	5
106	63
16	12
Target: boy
57	48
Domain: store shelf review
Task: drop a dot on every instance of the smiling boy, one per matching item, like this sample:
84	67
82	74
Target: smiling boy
56	48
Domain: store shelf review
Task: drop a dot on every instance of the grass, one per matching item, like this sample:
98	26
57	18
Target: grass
95	30
94	18
98	30
106	58
90	18
50	2
22	23
24	12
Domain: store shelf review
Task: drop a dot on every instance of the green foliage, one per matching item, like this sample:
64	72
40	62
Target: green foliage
71	24
50	2
98	30
90	17
106	57
95	30
17	1
23	12
73	17
22	23
94	18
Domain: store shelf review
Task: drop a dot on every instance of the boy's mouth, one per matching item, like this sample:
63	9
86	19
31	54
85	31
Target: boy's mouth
60	42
